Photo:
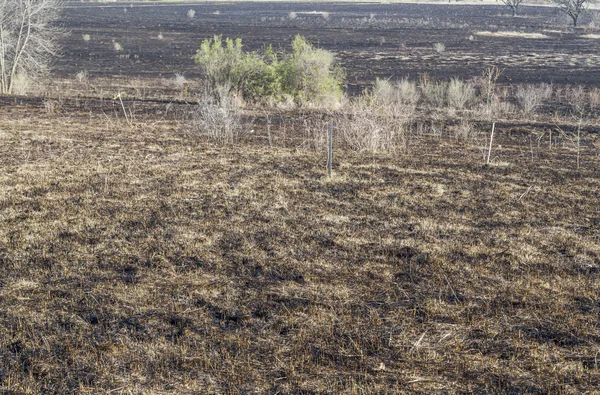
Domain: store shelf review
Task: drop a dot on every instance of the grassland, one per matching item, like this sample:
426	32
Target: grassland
140	259
137	256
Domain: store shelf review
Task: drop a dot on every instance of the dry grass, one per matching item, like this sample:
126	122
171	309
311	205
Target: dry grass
219	117
530	97
511	34
460	94
142	260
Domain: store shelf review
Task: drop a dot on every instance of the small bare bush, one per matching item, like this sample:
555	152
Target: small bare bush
577	97
160	36
501	103
118	47
434	92
82	76
179	81
50	106
191	14
530	97
465	131
460	93
397	99
292	15
384	91
365	126
439	47
316	133
594	98
86	37
486	84
408	93
575	94
219	116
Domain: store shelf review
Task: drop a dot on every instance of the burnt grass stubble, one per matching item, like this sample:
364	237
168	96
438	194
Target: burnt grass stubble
139	258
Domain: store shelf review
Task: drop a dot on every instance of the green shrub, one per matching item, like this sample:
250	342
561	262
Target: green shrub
315	77
309	75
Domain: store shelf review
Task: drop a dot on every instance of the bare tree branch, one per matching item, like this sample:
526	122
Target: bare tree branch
513	4
573	8
28	39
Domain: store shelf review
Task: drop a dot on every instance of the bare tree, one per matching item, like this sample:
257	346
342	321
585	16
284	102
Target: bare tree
28	39
514	5
573	8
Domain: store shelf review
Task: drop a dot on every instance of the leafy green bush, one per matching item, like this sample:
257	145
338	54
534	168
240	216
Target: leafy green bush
309	75
316	76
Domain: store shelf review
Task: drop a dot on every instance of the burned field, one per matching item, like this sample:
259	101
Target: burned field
139	256
371	40
140	259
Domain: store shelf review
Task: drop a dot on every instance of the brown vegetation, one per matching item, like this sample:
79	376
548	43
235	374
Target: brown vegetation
158	238
138	258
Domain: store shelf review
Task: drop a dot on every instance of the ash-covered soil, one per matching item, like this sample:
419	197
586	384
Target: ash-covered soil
371	40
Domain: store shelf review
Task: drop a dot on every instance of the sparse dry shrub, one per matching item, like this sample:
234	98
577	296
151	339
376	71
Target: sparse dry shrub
576	96
378	120
465	131
594	98
219	116
369	125
403	93
82	76
191	13
460	93
408	94
501	103
433	92
316	133
384	91
529	97
292	15
50	106
179	81
486	84
439	47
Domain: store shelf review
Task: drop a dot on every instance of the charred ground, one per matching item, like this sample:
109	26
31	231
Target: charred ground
371	40
138	257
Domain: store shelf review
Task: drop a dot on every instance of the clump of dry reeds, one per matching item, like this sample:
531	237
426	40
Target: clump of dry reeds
219	116
529	97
